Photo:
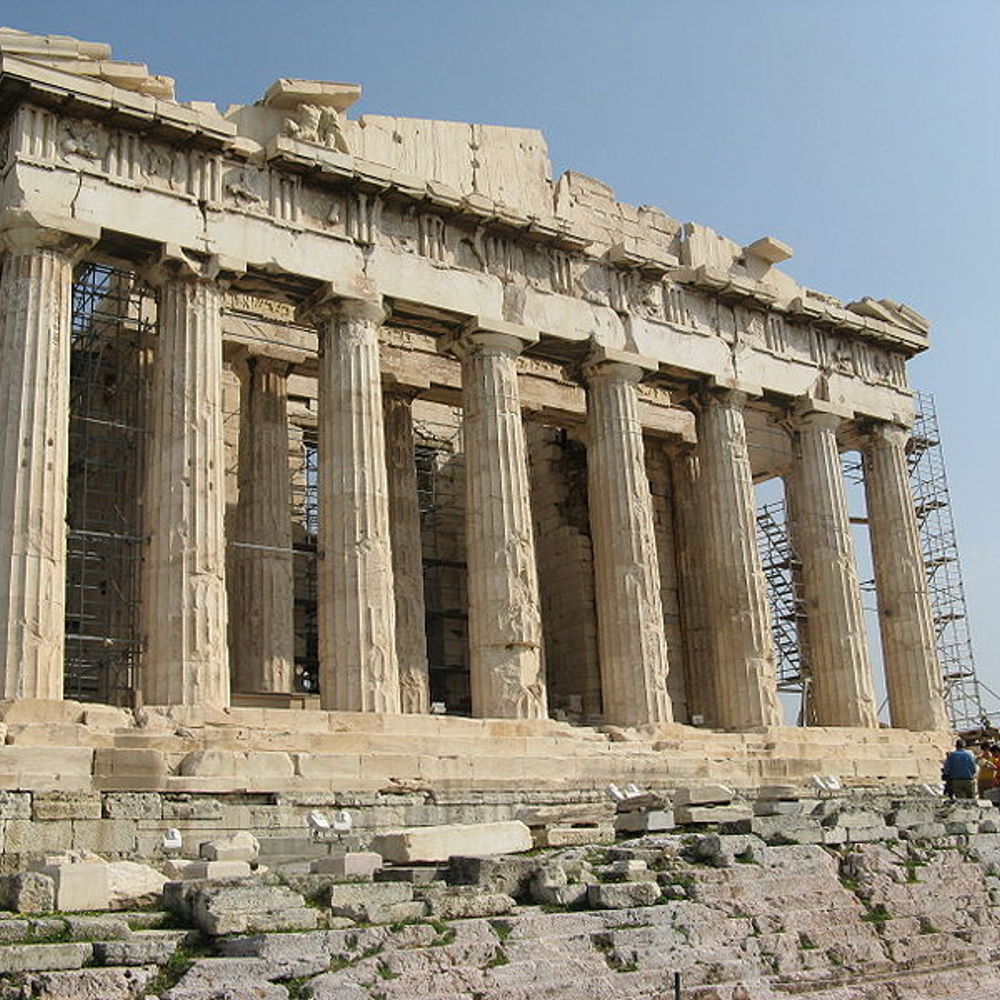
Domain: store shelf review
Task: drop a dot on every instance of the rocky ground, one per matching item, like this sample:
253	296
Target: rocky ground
731	913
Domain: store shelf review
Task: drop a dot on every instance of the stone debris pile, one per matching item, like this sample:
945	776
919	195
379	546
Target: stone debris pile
803	894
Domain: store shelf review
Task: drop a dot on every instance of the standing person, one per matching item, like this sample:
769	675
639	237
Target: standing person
959	772
987	777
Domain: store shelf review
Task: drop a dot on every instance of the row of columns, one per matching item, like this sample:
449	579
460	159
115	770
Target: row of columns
371	612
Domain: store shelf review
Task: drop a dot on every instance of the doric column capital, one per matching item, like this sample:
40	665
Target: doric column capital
328	304
23	232
807	412
400	392
481	334
609	363
732	397
176	263
244	361
880	431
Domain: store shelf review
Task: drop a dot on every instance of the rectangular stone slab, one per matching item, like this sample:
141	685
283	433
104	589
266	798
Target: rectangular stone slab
438	843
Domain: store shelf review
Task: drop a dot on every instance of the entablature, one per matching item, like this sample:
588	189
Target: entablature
303	212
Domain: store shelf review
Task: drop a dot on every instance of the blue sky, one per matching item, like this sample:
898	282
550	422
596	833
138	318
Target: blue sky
862	132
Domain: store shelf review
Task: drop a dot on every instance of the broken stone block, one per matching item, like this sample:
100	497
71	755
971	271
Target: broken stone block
722	850
438	843
133	885
574	813
571	894
215	870
651	821
628	870
923	831
41	957
622	895
508	874
353	864
854	819
701	795
711	814
81	881
461	902
573	836
641	802
143	948
296	954
29	892
92	984
239	846
243	909
372	902
777	807
417	874
778	793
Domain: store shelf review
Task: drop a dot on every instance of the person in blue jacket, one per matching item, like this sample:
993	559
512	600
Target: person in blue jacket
959	772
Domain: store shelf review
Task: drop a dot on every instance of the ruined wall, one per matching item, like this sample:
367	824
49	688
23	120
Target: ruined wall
558	465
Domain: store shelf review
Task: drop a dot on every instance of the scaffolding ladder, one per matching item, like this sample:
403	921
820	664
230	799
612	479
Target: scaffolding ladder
781	569
936	526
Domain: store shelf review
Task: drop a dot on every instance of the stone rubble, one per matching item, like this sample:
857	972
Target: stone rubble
735	915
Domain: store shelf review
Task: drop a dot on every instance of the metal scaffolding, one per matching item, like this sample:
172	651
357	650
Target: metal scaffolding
440	489
305	532
932	503
113	322
784	592
964	692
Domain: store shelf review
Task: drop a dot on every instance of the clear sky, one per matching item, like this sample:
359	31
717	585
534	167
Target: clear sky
862	132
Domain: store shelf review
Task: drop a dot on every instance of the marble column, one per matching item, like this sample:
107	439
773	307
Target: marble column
742	646
699	676
629	615
505	630
262	591
35	315
356	608
841	691
912	674
407	554
184	612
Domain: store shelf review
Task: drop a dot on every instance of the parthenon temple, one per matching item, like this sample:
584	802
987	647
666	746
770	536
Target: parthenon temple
344	452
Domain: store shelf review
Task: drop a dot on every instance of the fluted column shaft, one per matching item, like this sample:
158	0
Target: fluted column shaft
262	592
505	632
35	311
629	614
699	676
356	607
912	674
736	596
184	606
407	557
841	692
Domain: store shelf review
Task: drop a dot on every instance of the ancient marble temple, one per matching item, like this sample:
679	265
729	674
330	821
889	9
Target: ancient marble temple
372	415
